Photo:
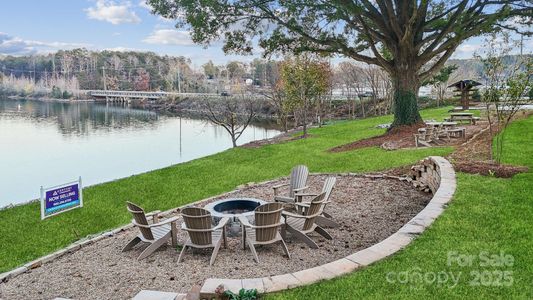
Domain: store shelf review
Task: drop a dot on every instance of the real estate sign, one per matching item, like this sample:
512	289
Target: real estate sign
61	198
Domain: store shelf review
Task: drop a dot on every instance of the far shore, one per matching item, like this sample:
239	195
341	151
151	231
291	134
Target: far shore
47	99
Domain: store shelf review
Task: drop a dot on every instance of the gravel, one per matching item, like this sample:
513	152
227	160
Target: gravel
368	210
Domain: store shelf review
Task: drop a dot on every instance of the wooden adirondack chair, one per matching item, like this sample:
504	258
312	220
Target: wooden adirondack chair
265	229
324	219
424	136
156	234
301	225
297	182
198	223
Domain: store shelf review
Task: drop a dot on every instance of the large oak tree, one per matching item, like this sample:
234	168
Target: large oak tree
410	39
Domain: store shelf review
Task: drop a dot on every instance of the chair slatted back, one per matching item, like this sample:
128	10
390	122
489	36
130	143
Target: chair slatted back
139	217
268	218
298	178
198	219
429	133
329	184
315	208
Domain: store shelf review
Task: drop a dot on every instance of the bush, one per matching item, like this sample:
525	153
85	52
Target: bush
242	295
56	92
66	95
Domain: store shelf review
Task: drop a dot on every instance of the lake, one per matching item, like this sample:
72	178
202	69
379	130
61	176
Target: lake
49	143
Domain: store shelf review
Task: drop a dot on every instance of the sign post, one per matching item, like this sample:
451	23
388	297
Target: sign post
61	198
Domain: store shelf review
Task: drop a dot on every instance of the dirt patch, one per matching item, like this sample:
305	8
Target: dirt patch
488	168
477	148
474	157
368	211
280	138
399	138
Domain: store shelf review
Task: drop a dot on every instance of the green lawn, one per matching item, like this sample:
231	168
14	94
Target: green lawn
486	214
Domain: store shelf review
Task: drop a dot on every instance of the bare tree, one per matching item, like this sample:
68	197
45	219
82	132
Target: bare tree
234	114
350	75
276	95
386	88
506	87
372	78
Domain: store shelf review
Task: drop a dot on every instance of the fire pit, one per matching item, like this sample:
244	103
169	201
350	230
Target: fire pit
233	208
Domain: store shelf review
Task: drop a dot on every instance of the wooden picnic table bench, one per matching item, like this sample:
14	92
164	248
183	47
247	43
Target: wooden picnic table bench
462	116
444	124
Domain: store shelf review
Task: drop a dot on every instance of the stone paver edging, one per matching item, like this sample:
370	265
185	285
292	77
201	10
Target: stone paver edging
440	175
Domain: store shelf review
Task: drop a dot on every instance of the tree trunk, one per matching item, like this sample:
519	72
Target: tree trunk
406	85
362	106
305	121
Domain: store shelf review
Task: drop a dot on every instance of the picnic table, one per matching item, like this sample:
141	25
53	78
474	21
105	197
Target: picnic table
466	114
463	116
444	124
434	131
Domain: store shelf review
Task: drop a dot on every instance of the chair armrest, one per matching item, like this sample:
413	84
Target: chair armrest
166	221
221	224
300	189
293	215
244	221
306	195
303	204
276	187
280	186
153	213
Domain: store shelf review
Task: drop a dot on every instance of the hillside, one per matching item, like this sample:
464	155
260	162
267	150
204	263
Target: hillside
123	70
473	68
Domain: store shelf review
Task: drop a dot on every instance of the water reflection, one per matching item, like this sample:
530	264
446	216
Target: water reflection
79	118
46	143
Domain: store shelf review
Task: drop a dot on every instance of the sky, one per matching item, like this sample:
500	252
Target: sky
36	26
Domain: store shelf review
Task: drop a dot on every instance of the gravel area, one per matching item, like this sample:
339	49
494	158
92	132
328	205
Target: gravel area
368	210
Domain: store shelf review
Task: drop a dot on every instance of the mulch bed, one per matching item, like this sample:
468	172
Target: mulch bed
402	137
473	157
489	168
368	211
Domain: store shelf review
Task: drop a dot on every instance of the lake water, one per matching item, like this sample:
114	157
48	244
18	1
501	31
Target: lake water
49	143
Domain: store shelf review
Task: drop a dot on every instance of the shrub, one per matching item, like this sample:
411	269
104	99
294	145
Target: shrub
242	295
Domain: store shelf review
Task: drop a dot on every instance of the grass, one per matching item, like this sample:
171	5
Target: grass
25	237
487	214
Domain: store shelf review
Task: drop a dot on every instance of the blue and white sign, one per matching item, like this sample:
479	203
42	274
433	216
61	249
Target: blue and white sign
61	198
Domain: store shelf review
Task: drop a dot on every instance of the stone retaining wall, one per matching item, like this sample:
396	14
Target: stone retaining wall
434	172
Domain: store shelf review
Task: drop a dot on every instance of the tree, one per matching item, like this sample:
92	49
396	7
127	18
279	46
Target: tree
411	40
234	114
235	70
351	77
210	70
305	81
276	95
506	87
142	80
439	82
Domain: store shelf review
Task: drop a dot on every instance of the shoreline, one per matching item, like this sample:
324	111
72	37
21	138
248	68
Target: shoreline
275	139
45	99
